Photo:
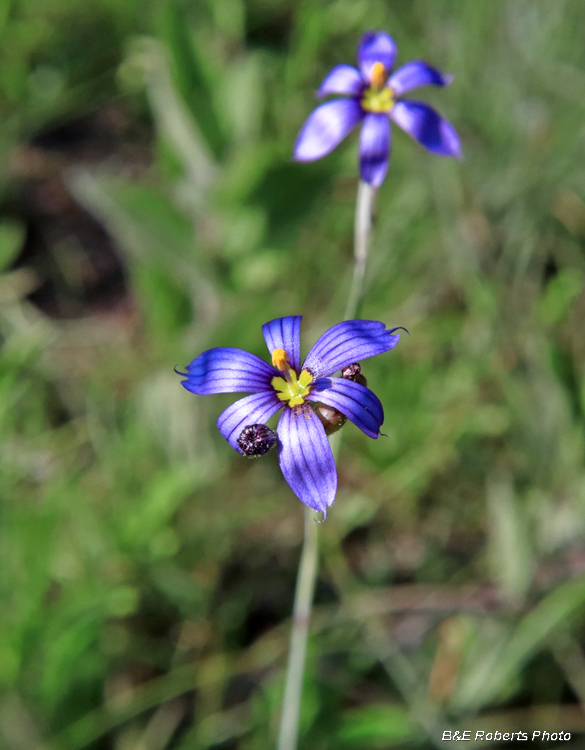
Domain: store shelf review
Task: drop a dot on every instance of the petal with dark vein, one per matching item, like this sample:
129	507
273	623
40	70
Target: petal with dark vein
305	457
285	333
427	127
228	370
354	400
348	342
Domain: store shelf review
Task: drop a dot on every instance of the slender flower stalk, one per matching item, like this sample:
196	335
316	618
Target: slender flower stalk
364	210
295	669
309	562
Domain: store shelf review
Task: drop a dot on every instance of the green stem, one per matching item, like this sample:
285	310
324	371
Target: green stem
293	689
307	575
364	209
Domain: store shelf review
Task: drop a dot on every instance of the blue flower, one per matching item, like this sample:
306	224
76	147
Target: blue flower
304	453
375	98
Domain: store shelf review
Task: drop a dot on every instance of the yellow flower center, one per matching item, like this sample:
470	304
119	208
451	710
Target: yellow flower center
378	97
291	389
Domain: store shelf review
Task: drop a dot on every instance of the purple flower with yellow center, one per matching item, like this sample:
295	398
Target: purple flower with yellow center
304	453
374	97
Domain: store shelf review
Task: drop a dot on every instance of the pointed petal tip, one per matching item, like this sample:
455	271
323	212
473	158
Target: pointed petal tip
427	127
414	74
305	457
227	370
347	342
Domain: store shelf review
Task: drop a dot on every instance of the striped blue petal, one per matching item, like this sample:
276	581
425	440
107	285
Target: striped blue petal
342	79
376	46
354	400
414	74
427	127
375	148
285	333
326	127
228	370
305	457
348	342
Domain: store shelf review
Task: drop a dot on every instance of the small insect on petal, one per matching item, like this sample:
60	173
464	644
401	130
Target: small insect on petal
256	440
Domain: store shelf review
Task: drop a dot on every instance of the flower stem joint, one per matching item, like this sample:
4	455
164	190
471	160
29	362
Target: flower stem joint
304	453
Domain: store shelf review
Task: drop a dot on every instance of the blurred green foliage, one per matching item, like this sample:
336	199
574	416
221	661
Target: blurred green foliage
146	571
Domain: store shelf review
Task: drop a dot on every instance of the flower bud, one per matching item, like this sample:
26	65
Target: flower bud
331	419
256	439
354	372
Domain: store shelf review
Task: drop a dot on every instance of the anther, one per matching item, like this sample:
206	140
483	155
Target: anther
378	75
280	360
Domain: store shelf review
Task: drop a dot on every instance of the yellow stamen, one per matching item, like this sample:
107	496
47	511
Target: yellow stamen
293	389
378	75
280	360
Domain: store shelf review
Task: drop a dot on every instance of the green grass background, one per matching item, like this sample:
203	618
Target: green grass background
147	571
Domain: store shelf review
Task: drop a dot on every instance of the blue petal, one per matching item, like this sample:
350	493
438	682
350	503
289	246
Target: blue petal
326	127
228	370
305	457
427	127
415	74
357	402
376	46
348	342
343	79
375	148
254	409
285	333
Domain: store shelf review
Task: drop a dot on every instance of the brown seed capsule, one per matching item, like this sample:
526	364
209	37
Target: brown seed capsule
256	440
354	372
331	419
